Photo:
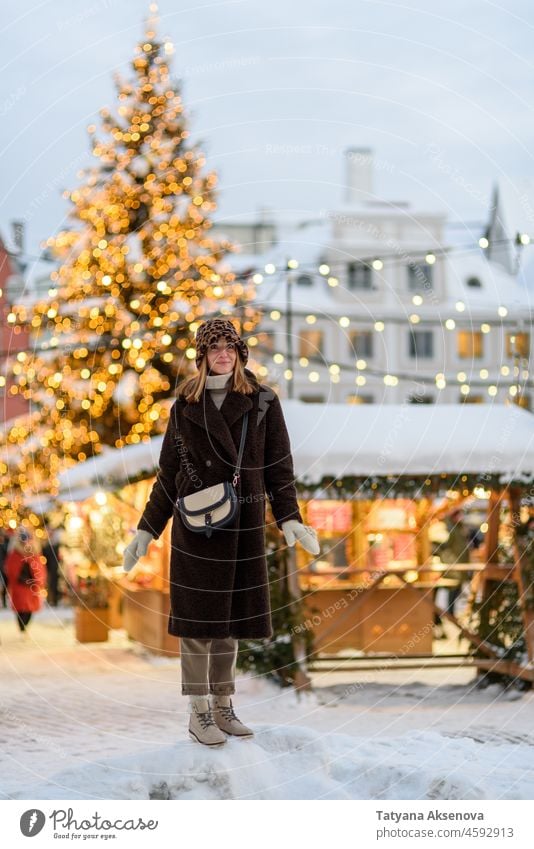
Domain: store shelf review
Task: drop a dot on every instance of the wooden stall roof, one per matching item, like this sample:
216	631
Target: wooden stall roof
361	439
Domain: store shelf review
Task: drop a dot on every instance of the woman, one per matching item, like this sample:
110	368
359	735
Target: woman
219	590
26	577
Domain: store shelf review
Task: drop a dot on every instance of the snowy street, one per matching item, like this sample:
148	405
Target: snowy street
108	721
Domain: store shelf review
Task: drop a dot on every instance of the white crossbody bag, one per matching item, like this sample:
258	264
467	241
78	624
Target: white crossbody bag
214	506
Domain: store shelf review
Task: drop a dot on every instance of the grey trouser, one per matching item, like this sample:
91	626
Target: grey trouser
208	666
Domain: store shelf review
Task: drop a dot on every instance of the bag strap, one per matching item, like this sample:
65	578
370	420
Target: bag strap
241	447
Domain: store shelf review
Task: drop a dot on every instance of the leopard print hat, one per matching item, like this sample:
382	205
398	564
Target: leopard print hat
211	330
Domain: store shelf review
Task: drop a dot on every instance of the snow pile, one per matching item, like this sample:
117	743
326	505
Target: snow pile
107	721
295	762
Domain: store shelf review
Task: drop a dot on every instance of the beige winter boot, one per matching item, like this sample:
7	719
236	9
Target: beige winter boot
223	713
202	726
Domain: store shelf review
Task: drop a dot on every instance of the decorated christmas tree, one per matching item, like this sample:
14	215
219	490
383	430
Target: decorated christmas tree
138	271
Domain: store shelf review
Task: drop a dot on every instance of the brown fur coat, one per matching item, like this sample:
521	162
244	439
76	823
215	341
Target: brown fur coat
219	585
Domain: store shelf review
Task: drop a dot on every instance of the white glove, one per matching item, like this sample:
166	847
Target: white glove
135	549
305	534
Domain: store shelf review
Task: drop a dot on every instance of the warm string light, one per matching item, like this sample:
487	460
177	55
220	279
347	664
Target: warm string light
440	380
377	263
390	380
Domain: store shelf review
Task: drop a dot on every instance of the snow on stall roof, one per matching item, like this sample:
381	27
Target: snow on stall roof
361	440
113	468
404	439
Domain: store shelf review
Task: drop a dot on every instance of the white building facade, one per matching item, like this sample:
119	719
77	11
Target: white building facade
368	303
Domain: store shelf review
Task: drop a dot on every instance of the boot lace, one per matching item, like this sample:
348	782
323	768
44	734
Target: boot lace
205	718
227	711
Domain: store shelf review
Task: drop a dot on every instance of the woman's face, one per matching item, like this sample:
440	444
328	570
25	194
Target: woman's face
221	356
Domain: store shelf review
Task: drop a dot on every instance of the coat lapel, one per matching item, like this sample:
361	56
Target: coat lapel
217	423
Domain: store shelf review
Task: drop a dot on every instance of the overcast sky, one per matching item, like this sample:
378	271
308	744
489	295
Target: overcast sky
276	90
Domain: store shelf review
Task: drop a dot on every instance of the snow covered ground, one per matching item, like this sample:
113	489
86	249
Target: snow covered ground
108	721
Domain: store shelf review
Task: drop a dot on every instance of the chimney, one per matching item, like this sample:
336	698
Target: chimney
359	174
18	231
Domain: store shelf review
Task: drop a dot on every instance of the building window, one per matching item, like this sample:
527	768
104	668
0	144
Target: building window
360	399
310	343
312	399
421	343
470	344
359	276
420	276
474	283
472	399
416	398
518	343
361	343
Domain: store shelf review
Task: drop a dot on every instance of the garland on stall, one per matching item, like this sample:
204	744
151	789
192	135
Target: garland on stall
352	487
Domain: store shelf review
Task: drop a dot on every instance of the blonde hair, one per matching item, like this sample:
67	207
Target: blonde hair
192	387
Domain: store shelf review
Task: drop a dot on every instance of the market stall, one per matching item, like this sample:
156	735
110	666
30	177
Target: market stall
377	482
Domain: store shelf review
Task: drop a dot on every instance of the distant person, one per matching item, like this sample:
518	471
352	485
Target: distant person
4	542
476	537
457	549
51	555
26	577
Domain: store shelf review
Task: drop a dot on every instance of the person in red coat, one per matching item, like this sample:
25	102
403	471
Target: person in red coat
26	577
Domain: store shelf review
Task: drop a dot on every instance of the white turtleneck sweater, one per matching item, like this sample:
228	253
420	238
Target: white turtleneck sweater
217	386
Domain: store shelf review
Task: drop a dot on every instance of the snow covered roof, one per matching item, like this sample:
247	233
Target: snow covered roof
311	242
305	241
109	470
392	208
497	287
410	439
361	440
271	294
